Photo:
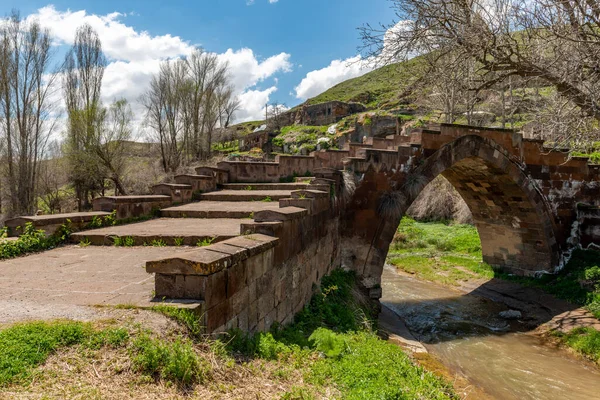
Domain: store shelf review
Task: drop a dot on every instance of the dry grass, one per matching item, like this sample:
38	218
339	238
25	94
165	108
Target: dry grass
109	373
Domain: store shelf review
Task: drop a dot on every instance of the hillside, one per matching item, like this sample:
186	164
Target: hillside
378	89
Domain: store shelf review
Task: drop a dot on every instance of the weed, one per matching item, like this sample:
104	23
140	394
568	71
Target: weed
249	187
110	219
176	362
267	199
126	241
328	343
85	242
187	318
178	241
158	243
206	242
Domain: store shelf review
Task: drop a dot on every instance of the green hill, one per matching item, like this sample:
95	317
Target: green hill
378	89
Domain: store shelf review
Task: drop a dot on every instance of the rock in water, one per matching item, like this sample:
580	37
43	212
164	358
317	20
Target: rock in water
510	314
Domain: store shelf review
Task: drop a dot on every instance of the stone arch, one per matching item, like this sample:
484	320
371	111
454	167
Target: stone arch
512	217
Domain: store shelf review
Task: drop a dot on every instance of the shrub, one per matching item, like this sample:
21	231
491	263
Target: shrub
328	342
33	240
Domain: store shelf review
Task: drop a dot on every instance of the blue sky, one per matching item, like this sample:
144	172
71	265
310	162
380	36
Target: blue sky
285	50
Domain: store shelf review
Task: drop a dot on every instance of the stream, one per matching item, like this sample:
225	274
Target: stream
465	333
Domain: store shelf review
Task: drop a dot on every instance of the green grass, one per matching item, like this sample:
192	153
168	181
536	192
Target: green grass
370	368
349	355
170	361
439	252
578	282
183	316
304	136
25	346
377	89
585	341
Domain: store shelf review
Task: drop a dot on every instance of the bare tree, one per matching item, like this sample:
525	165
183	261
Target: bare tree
187	100
109	144
274	115
25	111
83	72
165	112
555	41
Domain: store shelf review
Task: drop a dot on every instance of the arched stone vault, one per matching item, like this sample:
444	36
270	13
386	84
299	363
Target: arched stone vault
514	221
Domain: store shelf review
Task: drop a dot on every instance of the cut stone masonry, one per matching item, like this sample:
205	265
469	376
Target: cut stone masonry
266	244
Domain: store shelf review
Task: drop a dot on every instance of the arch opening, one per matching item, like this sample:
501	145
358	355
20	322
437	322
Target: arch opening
514	222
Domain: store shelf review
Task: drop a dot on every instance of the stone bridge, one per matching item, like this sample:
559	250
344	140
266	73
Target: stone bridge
265	243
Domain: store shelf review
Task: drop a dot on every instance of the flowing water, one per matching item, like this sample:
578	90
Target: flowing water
465	333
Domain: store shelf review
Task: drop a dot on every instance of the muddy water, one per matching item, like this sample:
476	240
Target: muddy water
465	333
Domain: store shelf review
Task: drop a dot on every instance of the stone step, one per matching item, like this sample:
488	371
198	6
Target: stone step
179	193
265	186
221	175
247	195
167	231
219	209
132	206
199	183
50	223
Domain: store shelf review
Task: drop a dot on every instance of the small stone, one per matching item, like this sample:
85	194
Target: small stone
510	314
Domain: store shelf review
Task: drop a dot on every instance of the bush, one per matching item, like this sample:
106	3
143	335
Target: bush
33	240
328	342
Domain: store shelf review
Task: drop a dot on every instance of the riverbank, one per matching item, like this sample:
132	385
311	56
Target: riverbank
330	351
566	305
465	335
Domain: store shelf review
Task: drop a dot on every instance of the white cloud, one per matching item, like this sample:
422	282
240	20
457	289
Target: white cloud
254	103
318	81
247	71
119	41
251	2
134	56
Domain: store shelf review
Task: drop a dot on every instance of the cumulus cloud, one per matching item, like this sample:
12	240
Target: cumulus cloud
253	103
318	81
134	56
119	41
247	71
